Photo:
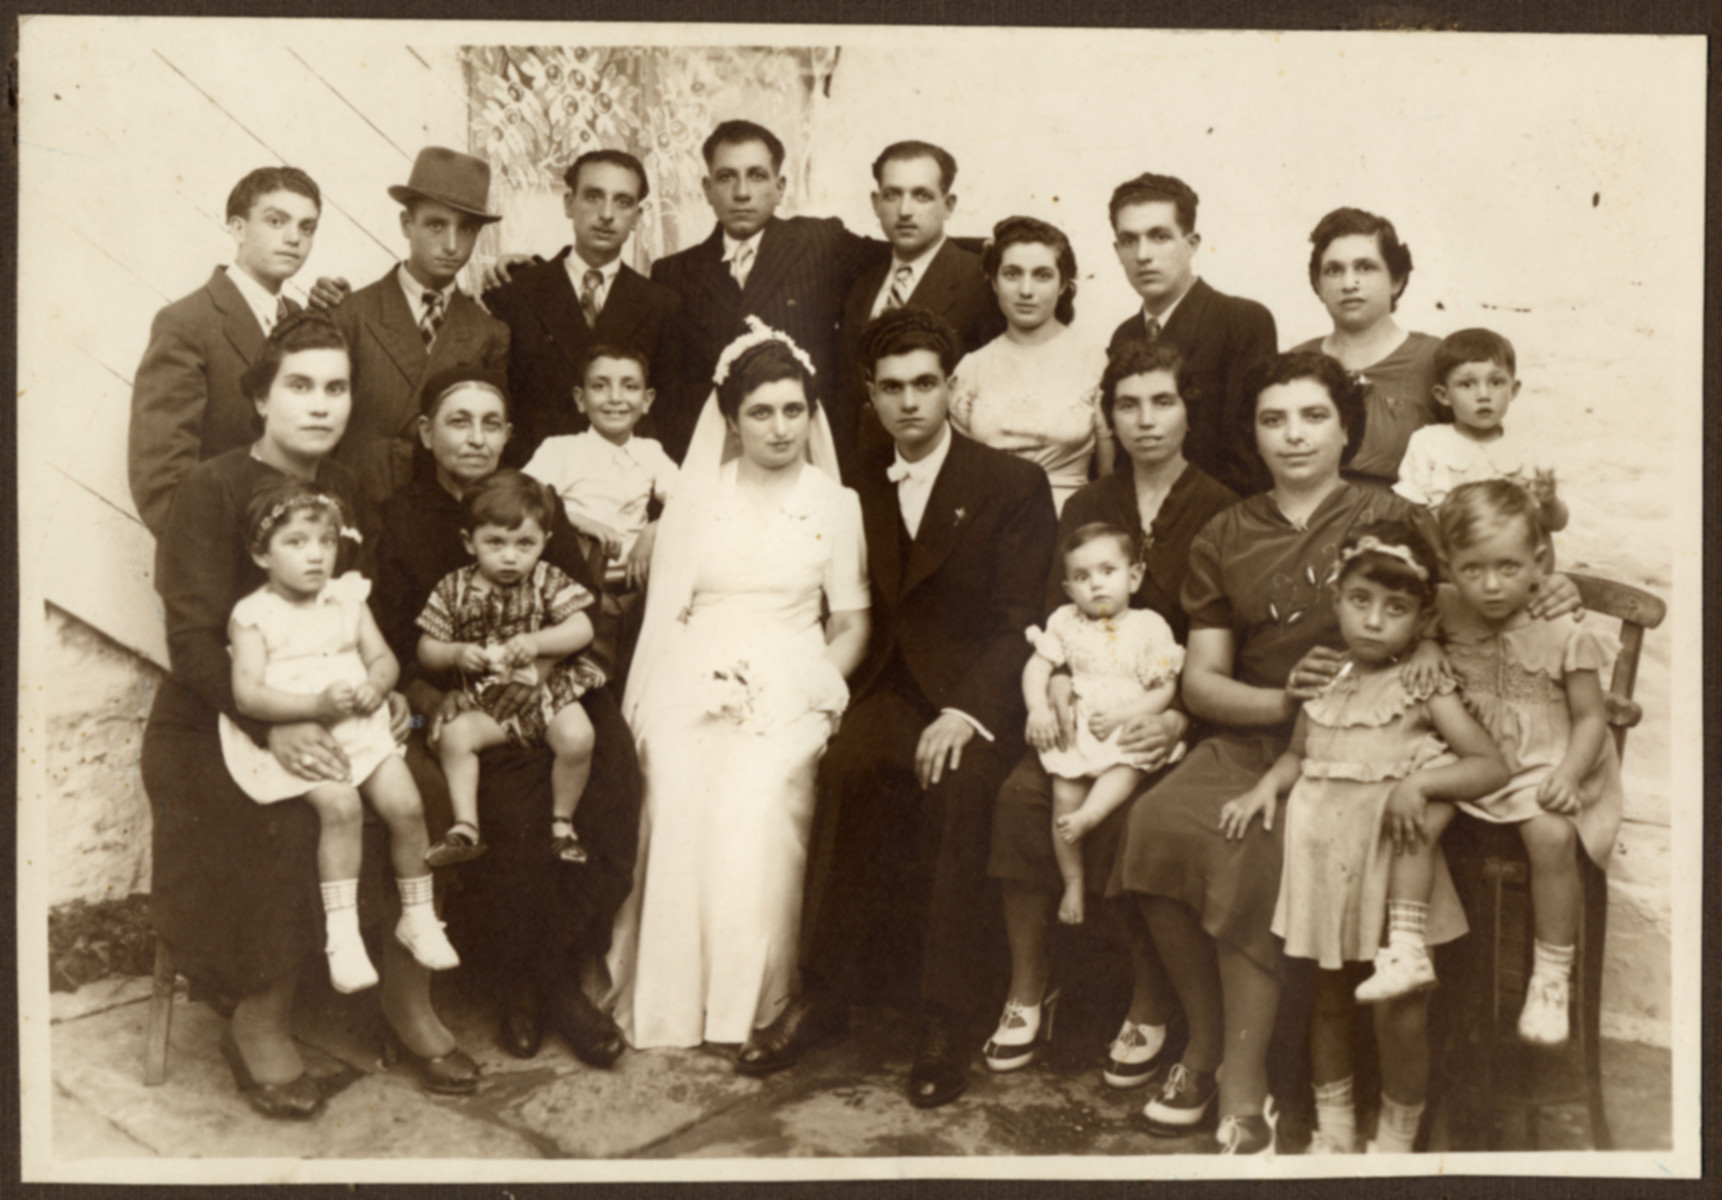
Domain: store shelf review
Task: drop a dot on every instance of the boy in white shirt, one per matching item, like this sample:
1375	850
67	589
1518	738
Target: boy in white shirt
1476	380
608	478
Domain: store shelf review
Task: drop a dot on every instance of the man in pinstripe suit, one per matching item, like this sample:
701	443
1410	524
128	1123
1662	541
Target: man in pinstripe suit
792	273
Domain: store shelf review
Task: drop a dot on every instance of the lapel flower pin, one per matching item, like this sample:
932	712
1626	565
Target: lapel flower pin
961	513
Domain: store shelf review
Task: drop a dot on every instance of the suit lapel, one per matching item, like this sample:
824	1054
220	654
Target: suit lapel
458	338
1189	316
393	326
778	251
712	275
948	507
550	295
238	322
881	516
623	308
938	282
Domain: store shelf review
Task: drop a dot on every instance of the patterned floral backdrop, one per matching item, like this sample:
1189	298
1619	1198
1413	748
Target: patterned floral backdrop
536	108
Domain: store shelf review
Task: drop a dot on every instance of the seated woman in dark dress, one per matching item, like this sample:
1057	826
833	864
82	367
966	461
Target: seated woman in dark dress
520	918
1164	501
234	893
1263	639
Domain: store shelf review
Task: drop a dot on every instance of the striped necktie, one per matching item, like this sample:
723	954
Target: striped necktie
899	287
1153	325
741	264
432	320
590	282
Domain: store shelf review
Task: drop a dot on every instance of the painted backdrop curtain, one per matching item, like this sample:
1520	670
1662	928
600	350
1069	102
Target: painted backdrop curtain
534	109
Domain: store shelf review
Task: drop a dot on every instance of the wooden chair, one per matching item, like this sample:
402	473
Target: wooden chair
1492	858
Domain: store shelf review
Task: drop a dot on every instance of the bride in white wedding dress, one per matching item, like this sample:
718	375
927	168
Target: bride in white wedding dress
756	610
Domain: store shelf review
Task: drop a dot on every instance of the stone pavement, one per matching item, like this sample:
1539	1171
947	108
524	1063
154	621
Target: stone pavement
844	1100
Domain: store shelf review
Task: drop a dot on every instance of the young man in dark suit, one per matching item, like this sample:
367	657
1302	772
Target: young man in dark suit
1221	337
414	321
186	401
959	545
793	273
912	200
582	297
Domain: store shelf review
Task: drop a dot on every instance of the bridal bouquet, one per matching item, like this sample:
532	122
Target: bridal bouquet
732	692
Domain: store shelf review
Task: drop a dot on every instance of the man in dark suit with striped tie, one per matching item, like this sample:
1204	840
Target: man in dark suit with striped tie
582	297
912	200
792	273
415	321
1221	337
186	402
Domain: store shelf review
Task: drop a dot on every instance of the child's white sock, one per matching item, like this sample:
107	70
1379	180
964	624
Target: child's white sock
1556	961
1398	1126
415	891
1407	924
341	895
1335	1113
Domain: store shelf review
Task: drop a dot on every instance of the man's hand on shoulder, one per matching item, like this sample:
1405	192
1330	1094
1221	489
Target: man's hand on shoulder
327	294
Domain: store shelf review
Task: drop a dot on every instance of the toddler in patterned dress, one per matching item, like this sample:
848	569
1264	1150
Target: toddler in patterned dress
511	618
1121	660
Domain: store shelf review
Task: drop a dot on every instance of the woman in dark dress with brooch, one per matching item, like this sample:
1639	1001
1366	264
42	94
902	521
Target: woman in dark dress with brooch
522	920
234	893
1164	501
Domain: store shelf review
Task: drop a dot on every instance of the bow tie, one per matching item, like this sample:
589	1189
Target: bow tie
898	471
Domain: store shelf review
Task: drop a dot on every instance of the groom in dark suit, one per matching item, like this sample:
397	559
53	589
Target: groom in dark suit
1221	337
584	296
792	273
912	200
960	541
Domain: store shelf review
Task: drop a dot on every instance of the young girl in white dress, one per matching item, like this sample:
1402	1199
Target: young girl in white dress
1537	688
1118	657
305	648
1372	771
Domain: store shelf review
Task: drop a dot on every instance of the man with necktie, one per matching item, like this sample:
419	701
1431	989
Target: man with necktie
584	296
913	200
959	545
1221	337
186	402
415	320
792	273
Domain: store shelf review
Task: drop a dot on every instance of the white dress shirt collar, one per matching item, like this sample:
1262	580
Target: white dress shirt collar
1165	317
577	268
915	481
415	293
257	297
917	271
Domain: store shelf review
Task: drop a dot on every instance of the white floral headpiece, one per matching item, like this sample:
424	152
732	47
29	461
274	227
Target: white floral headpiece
759	333
306	502
1370	544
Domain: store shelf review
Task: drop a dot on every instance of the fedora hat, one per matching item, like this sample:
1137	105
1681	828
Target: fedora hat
449	177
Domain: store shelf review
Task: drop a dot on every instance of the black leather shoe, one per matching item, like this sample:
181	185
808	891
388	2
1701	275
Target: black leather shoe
451	1074
809	1019
299	1100
941	1070
592	1035
522	1030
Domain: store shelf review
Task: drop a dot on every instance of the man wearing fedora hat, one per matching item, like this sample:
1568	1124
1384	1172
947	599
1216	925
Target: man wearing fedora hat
414	321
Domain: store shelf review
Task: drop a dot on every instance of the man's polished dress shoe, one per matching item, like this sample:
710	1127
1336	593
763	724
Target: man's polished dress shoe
299	1100
592	1035
522	1031
809	1019
941	1070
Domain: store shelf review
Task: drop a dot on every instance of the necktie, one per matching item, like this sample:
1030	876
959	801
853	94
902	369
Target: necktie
899	287
432	320
590	282
897	472
1153	324
281	312
741	264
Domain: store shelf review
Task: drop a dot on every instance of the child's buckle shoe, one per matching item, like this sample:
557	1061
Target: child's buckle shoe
1250	1135
1323	1143
569	849
1184	1101
1543	1020
1134	1058
1022	1030
460	844
422	934
350	968
1399	971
